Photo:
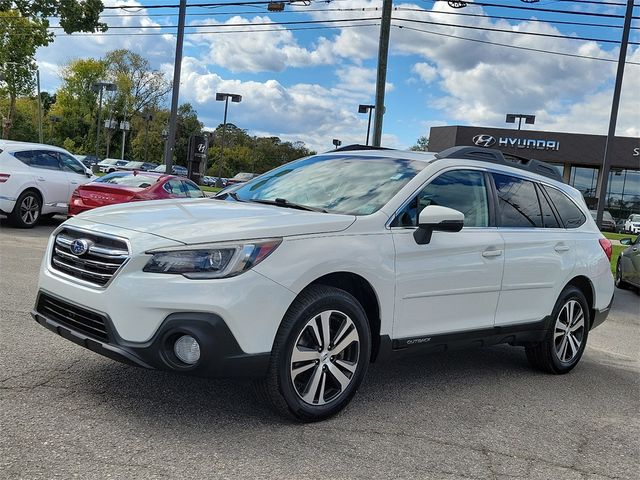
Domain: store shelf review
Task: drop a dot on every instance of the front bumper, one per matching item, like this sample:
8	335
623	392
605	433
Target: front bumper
221	356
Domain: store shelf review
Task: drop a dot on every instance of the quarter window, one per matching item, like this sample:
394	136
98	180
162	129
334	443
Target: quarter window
570	214
517	202
548	217
462	190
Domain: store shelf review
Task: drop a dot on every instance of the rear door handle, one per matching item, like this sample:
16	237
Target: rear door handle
491	253
41	179
562	248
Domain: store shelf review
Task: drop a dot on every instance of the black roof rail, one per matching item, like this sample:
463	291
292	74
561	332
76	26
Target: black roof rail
350	148
496	156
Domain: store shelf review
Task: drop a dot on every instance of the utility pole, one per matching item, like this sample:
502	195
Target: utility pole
99	120
40	137
177	66
608	147
383	53
220	97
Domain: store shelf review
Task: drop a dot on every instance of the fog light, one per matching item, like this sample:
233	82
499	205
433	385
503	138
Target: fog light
187	349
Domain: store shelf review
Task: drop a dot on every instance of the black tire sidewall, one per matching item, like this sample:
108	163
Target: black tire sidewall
570	293
339	301
15	215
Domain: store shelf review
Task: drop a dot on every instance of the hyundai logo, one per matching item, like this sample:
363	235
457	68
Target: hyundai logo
79	247
484	140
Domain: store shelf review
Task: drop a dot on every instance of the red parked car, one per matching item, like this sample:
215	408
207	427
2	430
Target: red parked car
120	187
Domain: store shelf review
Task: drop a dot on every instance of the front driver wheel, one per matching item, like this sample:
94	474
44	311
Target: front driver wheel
566	340
620	283
320	355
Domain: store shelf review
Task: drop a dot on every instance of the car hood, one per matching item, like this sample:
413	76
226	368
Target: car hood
206	220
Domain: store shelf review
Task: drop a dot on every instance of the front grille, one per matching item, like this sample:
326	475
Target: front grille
74	317
102	260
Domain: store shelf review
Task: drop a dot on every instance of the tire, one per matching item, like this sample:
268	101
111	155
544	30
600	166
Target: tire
319	384
620	283
26	212
566	338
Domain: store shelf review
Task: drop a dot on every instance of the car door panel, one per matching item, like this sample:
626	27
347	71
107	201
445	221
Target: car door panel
51	180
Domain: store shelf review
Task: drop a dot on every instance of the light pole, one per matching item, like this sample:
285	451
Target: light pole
337	143
53	119
124	126
147	118
224	97
100	87
367	109
528	119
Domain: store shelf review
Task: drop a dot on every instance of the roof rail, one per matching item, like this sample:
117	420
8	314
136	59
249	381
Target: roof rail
496	156
349	148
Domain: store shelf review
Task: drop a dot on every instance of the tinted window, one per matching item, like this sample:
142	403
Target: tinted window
24	157
192	190
548	217
45	160
570	214
174	187
462	190
71	164
517	202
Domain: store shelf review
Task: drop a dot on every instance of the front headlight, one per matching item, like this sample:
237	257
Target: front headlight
211	261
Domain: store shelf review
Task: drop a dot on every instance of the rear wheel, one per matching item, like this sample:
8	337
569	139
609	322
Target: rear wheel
27	210
566	340
620	283
320	355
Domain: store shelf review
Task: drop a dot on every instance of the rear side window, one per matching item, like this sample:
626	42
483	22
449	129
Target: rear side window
46	160
570	214
548	217
517	202
24	157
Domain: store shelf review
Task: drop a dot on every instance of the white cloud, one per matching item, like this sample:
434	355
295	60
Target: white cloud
426	72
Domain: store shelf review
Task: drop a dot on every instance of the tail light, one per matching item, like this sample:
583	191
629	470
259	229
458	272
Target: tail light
4	177
606	246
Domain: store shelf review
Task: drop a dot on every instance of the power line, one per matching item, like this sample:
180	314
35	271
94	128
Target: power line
529	49
517	32
209	5
537	9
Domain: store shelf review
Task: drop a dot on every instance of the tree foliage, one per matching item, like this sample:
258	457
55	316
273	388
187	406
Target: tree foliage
422	144
74	15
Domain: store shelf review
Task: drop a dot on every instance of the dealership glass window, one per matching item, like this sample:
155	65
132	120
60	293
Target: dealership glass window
585	179
558	166
623	192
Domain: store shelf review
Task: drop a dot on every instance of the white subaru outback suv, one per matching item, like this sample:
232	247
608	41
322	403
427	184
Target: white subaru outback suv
37	180
306	274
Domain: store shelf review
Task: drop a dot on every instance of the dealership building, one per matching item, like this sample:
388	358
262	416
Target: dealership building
577	157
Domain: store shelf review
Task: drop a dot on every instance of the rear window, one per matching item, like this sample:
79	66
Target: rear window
517	202
127	180
570	214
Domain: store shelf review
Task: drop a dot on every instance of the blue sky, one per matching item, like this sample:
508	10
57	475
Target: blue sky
306	84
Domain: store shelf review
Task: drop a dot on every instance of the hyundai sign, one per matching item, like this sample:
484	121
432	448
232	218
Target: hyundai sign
485	140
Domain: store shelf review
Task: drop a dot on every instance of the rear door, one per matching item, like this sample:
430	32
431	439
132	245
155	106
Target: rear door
76	172
51	179
539	256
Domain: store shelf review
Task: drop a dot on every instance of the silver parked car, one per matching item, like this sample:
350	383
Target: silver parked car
628	266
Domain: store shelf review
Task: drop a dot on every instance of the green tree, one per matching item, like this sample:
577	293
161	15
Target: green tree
187	124
422	144
74	16
17	50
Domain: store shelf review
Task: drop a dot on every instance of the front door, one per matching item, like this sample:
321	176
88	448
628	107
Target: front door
453	283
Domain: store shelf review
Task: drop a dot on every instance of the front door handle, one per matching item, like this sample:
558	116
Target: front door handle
491	253
561	248
41	179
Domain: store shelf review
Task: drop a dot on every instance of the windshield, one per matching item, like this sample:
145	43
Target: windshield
338	184
635	218
128	180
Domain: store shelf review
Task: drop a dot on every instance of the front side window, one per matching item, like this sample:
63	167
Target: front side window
71	164
192	189
346	184
570	214
517	202
462	190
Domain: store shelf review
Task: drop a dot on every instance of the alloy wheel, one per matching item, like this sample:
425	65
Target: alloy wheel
569	331
325	357
29	210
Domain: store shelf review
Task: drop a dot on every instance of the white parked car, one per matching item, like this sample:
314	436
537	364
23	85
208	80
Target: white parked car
305	275
110	165
632	224
37	180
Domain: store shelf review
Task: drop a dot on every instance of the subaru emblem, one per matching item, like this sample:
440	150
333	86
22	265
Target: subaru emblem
79	247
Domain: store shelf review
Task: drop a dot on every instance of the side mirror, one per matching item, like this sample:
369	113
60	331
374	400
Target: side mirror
626	241
436	218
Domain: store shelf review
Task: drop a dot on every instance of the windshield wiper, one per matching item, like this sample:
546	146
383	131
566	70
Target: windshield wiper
283	202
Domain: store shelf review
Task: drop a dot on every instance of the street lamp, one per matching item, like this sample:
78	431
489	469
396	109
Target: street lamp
337	143
367	109
529	119
147	118
99	87
224	97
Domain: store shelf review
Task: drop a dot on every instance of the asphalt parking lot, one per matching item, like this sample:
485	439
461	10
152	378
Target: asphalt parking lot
66	412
